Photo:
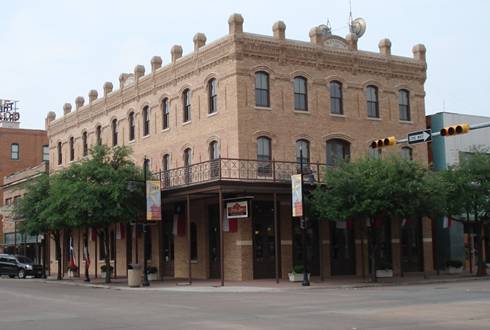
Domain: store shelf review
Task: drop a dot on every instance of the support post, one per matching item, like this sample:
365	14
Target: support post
306	280
221	245
276	239
145	230
188	213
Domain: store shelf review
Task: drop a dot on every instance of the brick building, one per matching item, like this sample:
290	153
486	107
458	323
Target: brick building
19	149
225	123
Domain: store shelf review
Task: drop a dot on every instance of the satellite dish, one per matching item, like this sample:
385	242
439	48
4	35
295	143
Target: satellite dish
358	27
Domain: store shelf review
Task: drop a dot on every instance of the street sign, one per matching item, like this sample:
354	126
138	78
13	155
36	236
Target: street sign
420	136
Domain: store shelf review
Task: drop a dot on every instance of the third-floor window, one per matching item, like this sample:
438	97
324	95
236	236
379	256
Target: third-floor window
84	144
213	98
114	132
131	126
72	149
186	100
165	113
146	121
404	105
300	94
336	106
262	89
372	101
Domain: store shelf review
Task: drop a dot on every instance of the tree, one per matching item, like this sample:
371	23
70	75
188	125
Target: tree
371	189
97	194
468	198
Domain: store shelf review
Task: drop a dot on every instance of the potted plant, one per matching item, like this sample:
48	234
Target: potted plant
297	275
152	273
103	270
454	266
384	269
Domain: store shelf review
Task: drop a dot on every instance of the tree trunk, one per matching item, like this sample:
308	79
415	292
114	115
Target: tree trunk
372	256
482	271
107	258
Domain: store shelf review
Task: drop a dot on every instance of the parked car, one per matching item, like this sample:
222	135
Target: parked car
19	266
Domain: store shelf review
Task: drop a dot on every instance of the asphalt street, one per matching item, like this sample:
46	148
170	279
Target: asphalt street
32	304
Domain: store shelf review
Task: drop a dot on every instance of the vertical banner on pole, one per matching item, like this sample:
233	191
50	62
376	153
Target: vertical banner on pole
153	200
297	196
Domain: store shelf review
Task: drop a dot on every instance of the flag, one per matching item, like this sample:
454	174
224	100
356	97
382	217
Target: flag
73	264
86	255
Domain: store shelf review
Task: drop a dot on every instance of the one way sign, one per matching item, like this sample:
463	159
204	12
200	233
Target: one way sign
420	136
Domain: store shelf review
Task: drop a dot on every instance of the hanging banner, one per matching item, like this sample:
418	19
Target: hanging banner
153	200
297	195
236	210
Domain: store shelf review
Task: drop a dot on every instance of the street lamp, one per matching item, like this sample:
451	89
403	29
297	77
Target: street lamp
306	280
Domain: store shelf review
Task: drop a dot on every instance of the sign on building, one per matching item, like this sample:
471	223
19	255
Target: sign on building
236	210
9	116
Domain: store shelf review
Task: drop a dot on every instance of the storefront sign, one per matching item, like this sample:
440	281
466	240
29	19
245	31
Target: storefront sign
297	195
153	201
8	111
235	210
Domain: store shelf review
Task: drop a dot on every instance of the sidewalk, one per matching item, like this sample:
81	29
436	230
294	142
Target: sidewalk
347	282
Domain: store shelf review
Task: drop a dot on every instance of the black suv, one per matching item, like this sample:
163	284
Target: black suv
19	266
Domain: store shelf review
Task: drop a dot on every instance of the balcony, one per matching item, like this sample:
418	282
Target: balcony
239	170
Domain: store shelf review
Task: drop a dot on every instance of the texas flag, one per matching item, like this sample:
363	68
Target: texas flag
73	264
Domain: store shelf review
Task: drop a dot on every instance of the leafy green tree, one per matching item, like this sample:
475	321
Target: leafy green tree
370	189
97	194
468	198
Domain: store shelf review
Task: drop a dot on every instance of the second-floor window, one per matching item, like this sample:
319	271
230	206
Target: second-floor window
72	148
262	89
146	121
337	151
131	126
300	94
186	99
84	144
60	153
336	98
264	156
404	105
45	153
303	148
165	113
372	102
114	132
14	151
406	153
213	97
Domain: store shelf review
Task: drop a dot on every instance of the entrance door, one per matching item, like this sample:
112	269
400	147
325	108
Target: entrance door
412	246
168	248
312	245
342	248
263	236
214	248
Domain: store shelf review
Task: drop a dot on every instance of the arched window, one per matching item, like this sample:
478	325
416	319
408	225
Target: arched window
406	153
14	151
404	105
186	99
146	121
374	153
98	135
336	106
264	156
337	151
213	150
45	152
262	89
131	127
72	148
213	96
372	101
84	144
300	94
60	155
187	165
165	169
165	113
114	132
303	147
194	241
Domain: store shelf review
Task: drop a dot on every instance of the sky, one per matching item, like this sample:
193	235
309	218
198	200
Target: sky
54	51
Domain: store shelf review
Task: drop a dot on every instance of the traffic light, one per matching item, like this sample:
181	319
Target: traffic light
389	141
455	129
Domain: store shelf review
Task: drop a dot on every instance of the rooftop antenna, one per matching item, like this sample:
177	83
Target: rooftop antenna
358	25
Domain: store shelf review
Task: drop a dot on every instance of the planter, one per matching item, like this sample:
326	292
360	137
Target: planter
384	273
454	270
297	277
152	277
102	274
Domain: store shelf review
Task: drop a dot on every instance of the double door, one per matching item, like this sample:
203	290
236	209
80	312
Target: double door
264	239
411	246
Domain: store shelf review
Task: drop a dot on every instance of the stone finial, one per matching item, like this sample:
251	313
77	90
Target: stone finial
51	116
419	51
279	30
156	63
385	47
139	71
176	52
92	95
79	101
351	39
66	108
316	35
199	40
107	88
235	24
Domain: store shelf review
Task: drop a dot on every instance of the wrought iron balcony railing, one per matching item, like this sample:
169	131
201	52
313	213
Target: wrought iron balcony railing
230	169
